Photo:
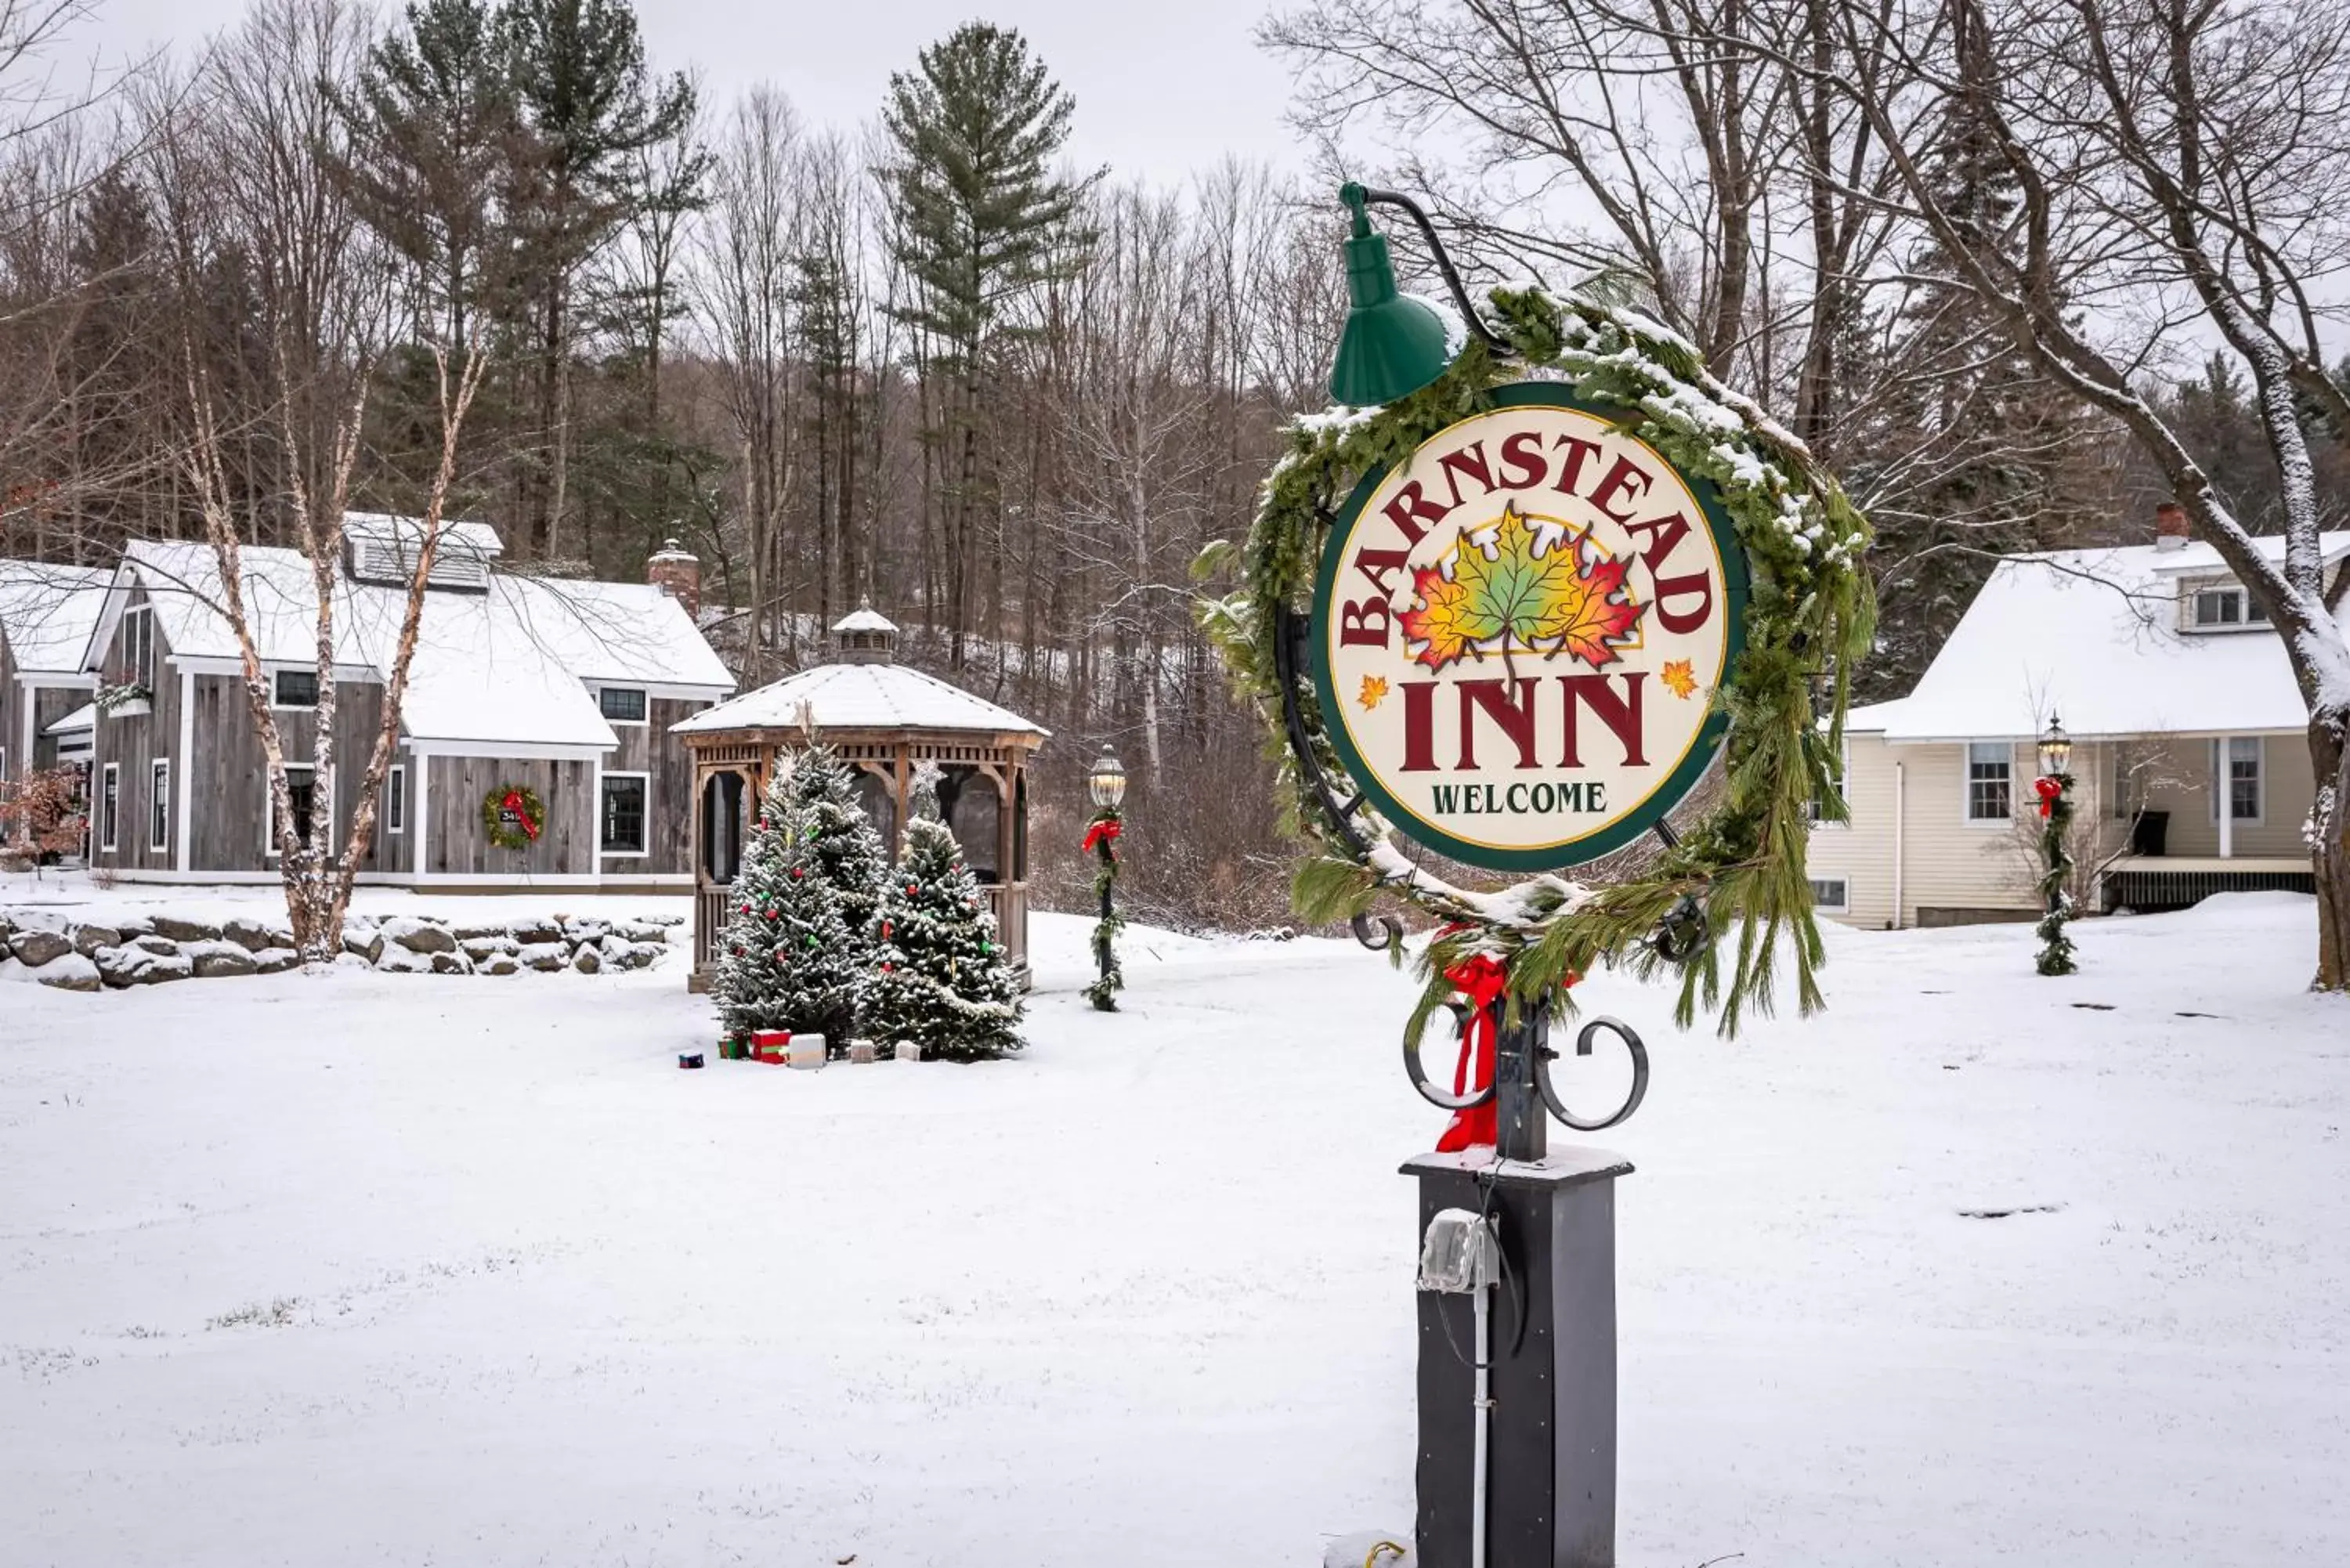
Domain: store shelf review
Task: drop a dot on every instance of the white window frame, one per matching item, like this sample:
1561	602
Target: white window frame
1843	908
395	800
2221	759
2006	749
269	807
279	703
644	825
139	644
109	806
159	807
644	696
2250	614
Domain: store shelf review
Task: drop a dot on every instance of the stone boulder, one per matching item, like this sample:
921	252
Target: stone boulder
580	931
451	964
498	963
393	958
134	925
7	929
255	936
477	931
494	944
416	936
215	959
534	930
643	931
277	960
545	957
70	972
89	939
35	949
161	947
587	961
359	937
184	930
137	963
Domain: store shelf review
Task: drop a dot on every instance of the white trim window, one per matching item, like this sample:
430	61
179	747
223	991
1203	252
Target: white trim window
1832	895
138	645
159	805
302	788
623	814
2224	607
109	806
1991	780
2246	782
622	704
395	800
294	689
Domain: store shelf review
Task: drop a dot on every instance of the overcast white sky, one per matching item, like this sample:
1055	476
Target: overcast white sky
1162	88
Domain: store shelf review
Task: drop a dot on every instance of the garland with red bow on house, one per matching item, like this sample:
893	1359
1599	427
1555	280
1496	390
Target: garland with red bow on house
513	817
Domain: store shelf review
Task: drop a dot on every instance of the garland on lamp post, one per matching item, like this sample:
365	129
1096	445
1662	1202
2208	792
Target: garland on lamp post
1107	783
2054	788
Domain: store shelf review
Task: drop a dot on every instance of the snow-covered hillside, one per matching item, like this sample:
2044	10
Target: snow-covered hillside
363	1269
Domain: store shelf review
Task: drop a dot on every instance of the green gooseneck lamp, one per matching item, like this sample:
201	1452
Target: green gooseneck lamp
1393	345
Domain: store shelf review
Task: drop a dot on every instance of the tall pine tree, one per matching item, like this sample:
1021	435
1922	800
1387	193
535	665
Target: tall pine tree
981	219
846	851
942	979
785	958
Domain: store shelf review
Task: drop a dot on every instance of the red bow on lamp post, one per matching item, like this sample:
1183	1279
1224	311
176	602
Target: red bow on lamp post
2047	789
1103	829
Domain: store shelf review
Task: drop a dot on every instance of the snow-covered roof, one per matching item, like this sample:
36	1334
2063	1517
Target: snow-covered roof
472	538
47	612
510	665
2093	636
859	697
865	617
82	718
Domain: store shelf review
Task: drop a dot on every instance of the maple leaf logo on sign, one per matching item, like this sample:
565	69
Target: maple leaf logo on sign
1542	589
1525	613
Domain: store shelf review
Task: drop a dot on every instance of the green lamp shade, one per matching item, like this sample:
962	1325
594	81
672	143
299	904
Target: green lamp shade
1393	346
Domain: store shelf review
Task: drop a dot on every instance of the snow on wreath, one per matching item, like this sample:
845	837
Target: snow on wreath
513	815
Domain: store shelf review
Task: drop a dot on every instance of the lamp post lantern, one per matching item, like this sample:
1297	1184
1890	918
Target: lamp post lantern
2054	788
1106	782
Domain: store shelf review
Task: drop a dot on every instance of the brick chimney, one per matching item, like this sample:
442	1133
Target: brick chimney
2171	530
678	574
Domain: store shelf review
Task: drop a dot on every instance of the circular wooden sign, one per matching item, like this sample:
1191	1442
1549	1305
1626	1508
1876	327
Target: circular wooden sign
1519	633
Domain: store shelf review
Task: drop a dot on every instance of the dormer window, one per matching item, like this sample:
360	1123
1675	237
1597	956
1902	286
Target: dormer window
383	551
2224	607
622	704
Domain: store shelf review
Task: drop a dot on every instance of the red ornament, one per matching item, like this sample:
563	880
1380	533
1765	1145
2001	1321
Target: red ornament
770	911
796	873
885	930
911	889
738	952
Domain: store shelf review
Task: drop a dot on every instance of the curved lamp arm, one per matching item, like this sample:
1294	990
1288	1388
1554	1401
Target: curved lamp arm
1359	196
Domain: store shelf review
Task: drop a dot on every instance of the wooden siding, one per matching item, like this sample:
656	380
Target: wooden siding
228	812
1950	863
129	741
457	845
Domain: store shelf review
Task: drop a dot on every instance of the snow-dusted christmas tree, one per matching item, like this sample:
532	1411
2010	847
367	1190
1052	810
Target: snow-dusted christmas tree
785	959
841	837
941	978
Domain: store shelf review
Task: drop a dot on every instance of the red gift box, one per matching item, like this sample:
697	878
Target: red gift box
771	1046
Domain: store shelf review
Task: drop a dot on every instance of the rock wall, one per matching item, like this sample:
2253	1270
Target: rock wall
54	949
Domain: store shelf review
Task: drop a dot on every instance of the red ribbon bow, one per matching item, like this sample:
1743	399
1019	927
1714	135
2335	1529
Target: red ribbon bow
514	802
1105	828
1480	980
2048	789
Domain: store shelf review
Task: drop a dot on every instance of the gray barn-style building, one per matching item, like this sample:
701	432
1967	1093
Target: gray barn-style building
563	687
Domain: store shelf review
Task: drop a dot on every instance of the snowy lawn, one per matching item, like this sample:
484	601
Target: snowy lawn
368	1269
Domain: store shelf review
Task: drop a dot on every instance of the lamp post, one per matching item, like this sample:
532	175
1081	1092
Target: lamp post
2054	788
1107	783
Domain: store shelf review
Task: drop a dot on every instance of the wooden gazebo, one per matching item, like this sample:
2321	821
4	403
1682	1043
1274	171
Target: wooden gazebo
884	720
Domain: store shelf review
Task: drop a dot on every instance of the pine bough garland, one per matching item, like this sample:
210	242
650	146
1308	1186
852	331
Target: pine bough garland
1101	841
1810	618
2055	794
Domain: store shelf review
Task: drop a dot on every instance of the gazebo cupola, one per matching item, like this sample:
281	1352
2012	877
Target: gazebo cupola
883	719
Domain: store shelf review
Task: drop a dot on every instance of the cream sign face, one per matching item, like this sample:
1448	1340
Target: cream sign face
1520	630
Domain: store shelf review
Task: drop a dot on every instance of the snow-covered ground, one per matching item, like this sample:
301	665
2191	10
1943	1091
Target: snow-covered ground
364	1269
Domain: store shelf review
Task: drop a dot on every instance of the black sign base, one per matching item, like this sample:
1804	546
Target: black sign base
1550	1500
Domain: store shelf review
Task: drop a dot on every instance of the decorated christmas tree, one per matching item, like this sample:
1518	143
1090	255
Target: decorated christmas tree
940	979
840	836
785	958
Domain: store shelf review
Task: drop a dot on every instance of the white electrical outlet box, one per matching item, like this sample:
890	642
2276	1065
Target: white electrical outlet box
1459	1254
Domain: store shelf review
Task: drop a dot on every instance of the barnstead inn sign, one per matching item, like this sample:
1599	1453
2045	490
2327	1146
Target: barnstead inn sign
1520	630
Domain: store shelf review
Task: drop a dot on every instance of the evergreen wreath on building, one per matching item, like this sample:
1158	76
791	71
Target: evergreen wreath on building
513	815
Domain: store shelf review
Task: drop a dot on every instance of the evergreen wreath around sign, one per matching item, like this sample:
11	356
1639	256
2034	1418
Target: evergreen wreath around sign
529	817
1810	618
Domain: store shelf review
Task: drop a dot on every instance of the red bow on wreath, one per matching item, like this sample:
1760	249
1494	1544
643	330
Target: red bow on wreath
514	803
2048	789
1107	828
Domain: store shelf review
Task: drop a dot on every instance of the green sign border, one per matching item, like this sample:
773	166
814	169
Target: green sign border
1661	800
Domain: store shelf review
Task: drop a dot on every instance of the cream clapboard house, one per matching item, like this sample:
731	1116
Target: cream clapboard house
565	687
2190	765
